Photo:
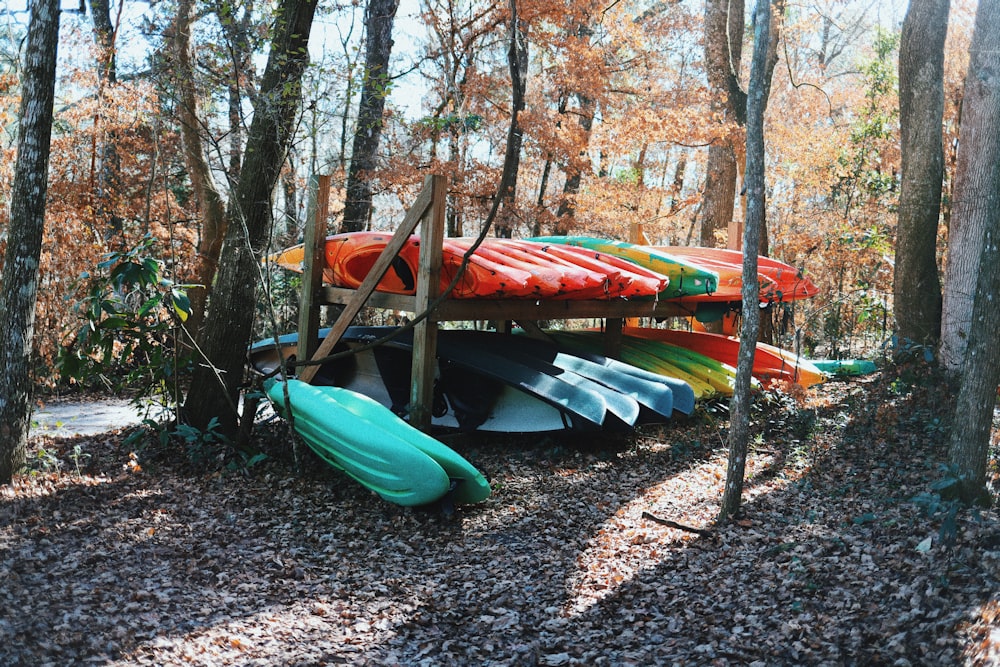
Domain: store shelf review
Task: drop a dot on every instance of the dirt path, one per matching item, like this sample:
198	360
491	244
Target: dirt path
64	418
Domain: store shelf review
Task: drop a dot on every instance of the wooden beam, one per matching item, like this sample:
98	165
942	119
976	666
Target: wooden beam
453	310
428	288
367	286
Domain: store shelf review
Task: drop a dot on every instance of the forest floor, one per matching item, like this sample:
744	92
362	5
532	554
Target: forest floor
843	554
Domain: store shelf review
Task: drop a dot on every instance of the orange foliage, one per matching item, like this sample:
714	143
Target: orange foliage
77	235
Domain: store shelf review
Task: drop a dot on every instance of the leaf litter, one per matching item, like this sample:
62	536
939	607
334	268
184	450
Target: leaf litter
840	555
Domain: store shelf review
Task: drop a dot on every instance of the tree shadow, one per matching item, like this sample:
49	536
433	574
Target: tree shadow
557	567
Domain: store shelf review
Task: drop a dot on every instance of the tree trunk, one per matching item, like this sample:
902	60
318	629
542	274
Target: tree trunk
210	203
739	412
19	286
574	172
229	322
517	60
108	168
916	287
973	208
977	203
358	201
723	52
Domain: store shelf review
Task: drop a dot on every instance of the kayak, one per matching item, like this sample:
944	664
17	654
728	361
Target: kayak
785	282
687	279
491	382
499	268
643	358
846	367
349	257
770	363
626	279
365	441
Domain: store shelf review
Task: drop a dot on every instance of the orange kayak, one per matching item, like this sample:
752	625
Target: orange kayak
789	282
550	280
770	363
500	268
349	258
627	280
730	279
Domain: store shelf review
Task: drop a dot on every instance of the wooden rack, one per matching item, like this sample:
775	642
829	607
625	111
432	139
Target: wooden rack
429	209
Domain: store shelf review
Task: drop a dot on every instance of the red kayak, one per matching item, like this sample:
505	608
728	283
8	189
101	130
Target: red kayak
349	258
642	282
789	283
500	268
770	363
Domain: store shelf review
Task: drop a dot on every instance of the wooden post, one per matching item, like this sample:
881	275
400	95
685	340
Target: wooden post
428	288
613	338
367	286
735	234
636	235
312	264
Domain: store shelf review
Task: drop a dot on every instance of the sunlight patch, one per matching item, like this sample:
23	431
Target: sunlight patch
627	543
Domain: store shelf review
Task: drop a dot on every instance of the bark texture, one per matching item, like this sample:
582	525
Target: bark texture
19	284
739	412
210	203
358	203
974	207
106	165
517	62
916	286
723	53
229	321
977	198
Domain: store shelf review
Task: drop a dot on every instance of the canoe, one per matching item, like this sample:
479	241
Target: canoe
376	450
770	363
687	279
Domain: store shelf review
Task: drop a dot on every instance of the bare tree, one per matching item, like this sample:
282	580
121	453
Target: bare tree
19	286
210	203
723	53
977	204
916	287
358	202
739	412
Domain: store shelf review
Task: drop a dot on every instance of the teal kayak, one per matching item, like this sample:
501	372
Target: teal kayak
371	444
845	367
686	278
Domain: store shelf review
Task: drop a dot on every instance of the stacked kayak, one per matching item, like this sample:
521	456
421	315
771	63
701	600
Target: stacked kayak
770	363
687	279
493	382
499	268
562	267
359	436
779	281
707	377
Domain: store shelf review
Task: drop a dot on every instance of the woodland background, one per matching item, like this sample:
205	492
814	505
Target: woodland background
617	129
174	119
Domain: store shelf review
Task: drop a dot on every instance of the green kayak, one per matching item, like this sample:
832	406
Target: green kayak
686	278
371	444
